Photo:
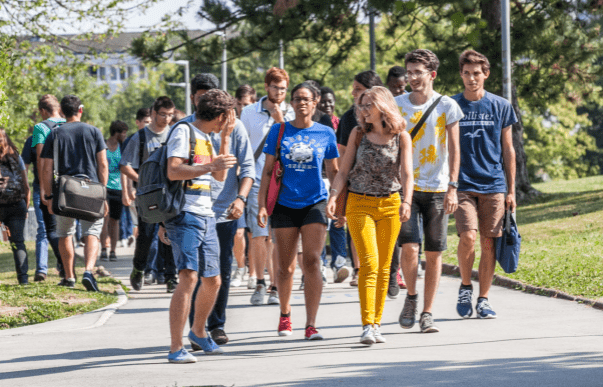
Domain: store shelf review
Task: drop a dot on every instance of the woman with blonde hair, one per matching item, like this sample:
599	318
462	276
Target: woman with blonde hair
377	165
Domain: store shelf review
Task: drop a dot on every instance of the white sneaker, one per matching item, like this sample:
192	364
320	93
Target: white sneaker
368	335
340	261
257	298
377	333
323	272
252	282
237	277
273	298
420	272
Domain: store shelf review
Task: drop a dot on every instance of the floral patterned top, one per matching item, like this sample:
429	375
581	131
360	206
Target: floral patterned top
376	170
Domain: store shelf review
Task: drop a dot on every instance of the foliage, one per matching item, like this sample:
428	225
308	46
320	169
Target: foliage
5	64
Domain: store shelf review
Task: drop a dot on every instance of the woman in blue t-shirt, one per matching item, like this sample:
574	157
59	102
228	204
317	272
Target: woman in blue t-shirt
301	204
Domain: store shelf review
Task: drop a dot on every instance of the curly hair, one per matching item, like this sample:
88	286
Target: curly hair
213	103
422	56
383	100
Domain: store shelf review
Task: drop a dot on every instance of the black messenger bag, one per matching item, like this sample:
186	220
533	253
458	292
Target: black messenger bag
76	196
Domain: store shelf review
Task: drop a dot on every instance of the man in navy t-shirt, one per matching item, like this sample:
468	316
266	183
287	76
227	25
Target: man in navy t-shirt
486	178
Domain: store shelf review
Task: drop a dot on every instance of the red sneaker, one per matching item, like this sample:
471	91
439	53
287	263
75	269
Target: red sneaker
284	326
401	283
312	333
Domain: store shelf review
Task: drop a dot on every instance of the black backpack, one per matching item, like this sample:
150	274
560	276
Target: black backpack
11	181
157	198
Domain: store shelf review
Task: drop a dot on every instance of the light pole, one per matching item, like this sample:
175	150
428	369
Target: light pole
373	43
506	48
185	85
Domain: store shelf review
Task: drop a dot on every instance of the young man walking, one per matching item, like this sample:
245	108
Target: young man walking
487	155
436	168
258	118
81	151
155	134
192	233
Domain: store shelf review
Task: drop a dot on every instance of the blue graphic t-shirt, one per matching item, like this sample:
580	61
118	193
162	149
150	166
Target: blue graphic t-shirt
302	154
480	132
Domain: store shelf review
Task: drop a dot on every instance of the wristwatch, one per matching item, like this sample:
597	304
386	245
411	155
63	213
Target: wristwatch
454	184
243	198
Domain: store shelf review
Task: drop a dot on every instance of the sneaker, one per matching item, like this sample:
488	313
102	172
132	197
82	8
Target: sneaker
112	256
237	278
103	255
312	333
206	343
252	283
273	298
342	274
181	357
393	290
284	326
463	306
400	280
131	240
368	335
39	277
340	261
377	333
149	278
301	285
136	278
426	323
354	281
409	312
171	285
484	309
219	336
420	271
89	282
161	279
323	273
67	282
257	298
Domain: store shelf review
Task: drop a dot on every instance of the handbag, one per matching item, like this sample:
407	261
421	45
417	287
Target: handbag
76	196
274	187
508	245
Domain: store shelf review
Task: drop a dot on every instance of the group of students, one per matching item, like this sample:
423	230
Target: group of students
405	162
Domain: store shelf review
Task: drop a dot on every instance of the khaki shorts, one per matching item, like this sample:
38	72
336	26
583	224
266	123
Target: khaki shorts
485	210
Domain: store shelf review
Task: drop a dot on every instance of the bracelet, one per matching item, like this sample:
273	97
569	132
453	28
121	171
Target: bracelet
333	189
406	203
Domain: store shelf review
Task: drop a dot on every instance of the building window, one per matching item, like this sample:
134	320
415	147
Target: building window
103	73
114	74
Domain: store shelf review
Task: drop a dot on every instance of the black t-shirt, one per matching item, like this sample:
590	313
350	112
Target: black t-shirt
347	123
322	118
28	154
78	145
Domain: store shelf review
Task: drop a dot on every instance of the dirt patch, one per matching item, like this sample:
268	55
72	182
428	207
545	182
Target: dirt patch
10	311
72	300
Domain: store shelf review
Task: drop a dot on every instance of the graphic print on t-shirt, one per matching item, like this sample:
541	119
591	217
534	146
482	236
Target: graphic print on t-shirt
301	152
203	153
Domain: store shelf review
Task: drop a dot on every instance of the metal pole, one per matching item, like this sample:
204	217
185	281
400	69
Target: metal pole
281	56
373	44
224	70
187	77
506	47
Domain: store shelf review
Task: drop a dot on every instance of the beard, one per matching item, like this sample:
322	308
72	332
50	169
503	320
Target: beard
274	100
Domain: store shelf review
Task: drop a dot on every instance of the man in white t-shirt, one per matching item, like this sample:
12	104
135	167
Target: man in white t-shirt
192	234
436	160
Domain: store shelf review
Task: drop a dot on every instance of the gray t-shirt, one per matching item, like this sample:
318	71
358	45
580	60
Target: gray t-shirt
130	155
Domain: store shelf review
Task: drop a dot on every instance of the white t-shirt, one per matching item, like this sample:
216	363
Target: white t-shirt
198	195
430	146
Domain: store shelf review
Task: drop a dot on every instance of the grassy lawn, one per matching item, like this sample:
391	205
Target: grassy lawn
562	238
41	302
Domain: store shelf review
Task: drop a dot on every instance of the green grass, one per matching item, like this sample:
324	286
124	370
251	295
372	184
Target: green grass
44	301
562	238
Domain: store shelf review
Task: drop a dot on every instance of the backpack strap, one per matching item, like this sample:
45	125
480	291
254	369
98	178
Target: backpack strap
142	139
55	151
417	127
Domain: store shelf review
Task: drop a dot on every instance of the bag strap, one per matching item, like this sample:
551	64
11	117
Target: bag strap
281	131
258	151
419	124
192	142
141	143
55	151
507	222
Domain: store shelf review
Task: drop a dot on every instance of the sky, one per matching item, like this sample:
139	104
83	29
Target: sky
153	15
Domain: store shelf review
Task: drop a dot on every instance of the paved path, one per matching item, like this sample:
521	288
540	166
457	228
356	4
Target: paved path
536	341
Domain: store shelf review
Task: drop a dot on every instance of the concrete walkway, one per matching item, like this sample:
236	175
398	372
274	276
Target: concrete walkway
536	341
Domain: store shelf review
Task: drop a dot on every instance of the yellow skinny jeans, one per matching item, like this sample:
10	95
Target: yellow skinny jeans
374	224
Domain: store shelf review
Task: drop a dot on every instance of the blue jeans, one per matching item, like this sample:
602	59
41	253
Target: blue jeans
337	239
155	261
41	241
126	227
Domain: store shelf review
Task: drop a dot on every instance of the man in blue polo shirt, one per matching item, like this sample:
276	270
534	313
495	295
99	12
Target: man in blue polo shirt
487	155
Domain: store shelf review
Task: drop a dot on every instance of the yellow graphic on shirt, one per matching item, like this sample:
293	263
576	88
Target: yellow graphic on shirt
428	155
413	120
198	187
417	173
417	188
202	152
440	129
203	155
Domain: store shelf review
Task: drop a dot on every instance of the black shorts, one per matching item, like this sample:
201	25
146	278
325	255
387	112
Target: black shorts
115	204
284	217
427	209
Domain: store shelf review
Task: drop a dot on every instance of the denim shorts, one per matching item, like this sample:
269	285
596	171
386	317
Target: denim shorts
252	213
428	206
284	217
195	243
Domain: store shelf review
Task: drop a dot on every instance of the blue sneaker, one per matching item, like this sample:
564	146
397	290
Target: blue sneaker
206	343
181	357
464	307
89	282
484	309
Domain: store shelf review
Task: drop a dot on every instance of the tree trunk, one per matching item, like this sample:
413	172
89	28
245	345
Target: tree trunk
491	13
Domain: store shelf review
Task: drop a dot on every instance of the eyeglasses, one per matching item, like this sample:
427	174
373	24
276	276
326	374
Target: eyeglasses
278	89
302	100
365	106
418	74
